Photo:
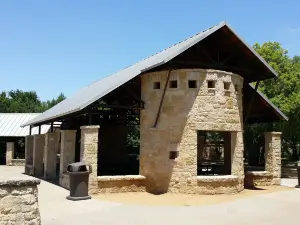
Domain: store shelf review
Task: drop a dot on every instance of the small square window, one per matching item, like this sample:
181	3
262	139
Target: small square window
226	86
173	84
236	88
211	84
192	84
156	85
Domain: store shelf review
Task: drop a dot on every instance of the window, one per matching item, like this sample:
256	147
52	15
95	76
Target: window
226	86
156	85
192	84
173	84
213	153
211	84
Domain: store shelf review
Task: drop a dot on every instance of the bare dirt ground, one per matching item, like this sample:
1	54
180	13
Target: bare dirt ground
169	199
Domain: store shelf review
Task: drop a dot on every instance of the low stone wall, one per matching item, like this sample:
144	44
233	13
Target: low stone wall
257	178
19	201
210	185
29	169
289	172
64	181
114	184
18	162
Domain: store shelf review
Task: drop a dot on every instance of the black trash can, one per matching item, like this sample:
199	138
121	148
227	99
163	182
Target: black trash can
79	181
298	170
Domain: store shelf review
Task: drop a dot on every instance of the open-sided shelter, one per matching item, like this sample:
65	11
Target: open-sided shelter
171	122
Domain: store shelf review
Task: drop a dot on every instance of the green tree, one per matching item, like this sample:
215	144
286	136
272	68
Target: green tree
17	101
284	92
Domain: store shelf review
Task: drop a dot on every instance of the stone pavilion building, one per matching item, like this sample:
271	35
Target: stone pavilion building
173	122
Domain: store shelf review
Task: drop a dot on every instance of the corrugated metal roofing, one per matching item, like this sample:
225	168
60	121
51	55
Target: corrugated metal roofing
10	124
95	91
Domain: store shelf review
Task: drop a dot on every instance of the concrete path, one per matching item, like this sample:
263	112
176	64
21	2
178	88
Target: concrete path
275	208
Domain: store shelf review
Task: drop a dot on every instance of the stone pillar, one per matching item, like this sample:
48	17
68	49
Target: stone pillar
28	154
50	155
89	153
67	154
237	157
10	150
38	154
273	155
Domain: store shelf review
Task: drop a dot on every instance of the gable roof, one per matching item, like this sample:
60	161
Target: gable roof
97	90
262	110
10	124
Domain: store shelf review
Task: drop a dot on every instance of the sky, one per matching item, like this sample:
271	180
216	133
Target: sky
55	46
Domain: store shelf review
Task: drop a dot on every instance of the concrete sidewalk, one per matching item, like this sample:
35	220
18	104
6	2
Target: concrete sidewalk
277	208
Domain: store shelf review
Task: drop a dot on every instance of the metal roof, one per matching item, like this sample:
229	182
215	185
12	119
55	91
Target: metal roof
95	91
10	124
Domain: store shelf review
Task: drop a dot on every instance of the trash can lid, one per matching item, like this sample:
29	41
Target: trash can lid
77	167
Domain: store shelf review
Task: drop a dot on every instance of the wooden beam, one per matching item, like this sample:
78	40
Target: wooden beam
133	95
162	98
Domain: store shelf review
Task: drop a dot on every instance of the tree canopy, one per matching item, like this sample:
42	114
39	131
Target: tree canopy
284	92
17	101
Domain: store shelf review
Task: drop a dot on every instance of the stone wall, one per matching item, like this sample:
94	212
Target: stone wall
64	181
18	162
114	184
289	172
19	201
89	153
184	111
273	155
257	178
29	155
10	148
218	185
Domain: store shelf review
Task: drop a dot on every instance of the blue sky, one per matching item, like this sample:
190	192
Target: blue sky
61	46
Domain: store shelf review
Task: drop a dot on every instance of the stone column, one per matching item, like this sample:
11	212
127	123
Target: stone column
10	149
237	157
38	154
89	153
67	154
28	154
50	155
273	155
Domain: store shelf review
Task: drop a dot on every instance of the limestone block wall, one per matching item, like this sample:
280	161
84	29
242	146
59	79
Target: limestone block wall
273	155
18	162
19	201
89	153
184	111
29	154
257	178
116	184
67	155
38	154
10	148
51	149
